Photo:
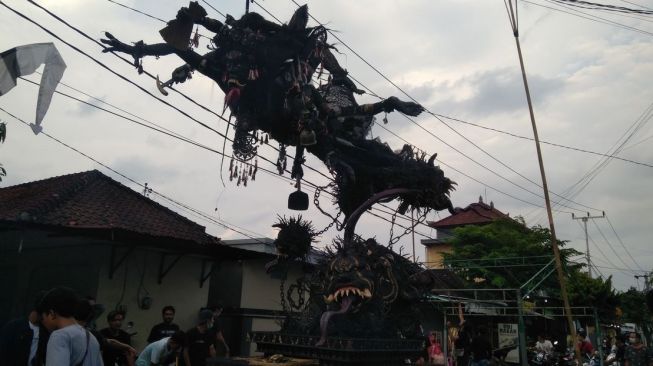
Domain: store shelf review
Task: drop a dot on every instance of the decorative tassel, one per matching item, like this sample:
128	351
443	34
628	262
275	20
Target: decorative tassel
267	139
238	183
196	38
231	99
255	169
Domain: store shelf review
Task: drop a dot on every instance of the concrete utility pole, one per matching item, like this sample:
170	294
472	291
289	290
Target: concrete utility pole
646	283
587	243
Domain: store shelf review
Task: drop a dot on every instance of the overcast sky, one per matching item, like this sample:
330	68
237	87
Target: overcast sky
590	82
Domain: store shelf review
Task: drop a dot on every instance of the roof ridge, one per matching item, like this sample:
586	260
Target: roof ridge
49	179
79	183
151	201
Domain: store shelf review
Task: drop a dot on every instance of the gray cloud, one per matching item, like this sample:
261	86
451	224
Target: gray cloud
489	92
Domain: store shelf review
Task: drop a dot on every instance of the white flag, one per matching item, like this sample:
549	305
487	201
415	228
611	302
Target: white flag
24	60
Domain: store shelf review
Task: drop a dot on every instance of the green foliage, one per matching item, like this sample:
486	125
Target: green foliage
633	306
594	292
498	254
494	253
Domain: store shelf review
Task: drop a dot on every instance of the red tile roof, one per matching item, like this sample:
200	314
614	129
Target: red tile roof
475	214
91	200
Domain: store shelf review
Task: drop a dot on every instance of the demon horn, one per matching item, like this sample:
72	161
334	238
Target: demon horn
432	158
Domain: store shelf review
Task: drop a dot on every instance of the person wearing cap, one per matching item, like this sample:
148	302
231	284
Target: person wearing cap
200	340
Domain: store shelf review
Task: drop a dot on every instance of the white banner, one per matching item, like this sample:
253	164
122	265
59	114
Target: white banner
508	335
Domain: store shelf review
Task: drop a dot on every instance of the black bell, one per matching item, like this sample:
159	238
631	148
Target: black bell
298	201
307	137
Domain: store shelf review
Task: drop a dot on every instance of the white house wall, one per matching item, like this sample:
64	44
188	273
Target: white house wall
179	288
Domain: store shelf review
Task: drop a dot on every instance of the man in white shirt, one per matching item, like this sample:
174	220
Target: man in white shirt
69	344
162	352
544	345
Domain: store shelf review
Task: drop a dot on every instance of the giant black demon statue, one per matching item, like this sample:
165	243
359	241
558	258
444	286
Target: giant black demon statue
357	290
268	73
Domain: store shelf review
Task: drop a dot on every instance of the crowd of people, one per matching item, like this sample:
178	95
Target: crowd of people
61	330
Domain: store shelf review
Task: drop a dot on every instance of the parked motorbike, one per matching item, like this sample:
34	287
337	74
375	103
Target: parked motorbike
568	358
540	358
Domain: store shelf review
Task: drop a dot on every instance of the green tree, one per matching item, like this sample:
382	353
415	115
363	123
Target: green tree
507	253
594	292
634	310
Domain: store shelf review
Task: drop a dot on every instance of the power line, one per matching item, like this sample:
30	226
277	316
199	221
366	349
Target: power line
219	222
269	13
610	245
160	129
429	132
148	15
548	143
632	3
622	244
151	76
597	247
608	7
591	17
599	166
204	215
576	188
439	119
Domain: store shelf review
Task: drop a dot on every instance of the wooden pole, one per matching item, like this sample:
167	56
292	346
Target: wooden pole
554	241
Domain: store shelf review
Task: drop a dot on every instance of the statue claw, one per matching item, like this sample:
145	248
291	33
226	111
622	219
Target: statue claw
408	108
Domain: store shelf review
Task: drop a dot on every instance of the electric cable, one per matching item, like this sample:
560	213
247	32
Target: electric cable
439	119
90	38
591	17
610	245
361	84
609	7
149	15
622	243
170	133
173	201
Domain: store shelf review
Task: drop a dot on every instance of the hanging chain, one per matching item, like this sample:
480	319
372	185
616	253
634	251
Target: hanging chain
334	220
392	240
282	295
408	230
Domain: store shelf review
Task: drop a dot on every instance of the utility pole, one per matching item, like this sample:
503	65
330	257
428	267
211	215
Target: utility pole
646	283
587	243
412	224
514	23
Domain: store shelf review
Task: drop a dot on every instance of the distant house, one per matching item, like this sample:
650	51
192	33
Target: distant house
103	239
478	213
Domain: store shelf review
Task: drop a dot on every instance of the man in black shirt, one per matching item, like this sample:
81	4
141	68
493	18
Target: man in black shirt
86	313
111	356
200	341
481	348
165	329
